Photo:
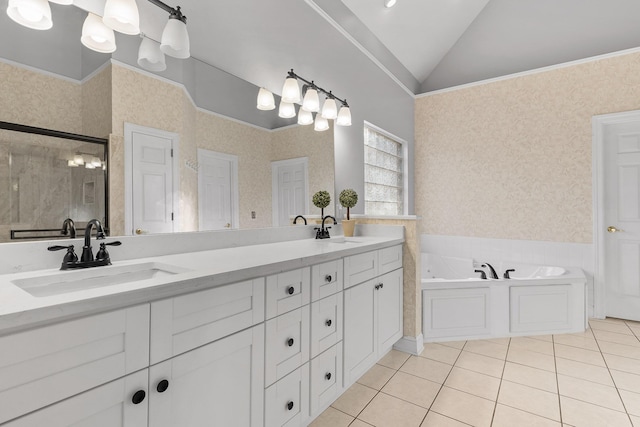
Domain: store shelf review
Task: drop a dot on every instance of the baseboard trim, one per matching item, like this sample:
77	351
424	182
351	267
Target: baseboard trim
412	345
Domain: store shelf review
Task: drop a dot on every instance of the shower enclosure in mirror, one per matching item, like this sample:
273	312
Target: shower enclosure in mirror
46	177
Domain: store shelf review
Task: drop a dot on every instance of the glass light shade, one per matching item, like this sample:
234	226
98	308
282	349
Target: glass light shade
150	57
311	102
305	117
286	110
291	90
62	2
78	159
321	123
265	100
329	109
389	3
71	164
122	16
175	39
89	166
344	117
95	161
97	36
34	14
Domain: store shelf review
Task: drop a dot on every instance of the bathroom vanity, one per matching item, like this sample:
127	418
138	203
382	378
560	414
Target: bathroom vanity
254	335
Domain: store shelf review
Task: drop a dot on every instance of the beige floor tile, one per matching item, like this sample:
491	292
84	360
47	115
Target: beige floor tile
413	389
582	414
359	423
620	349
586	342
538	346
616	337
631	402
619	327
571	368
385	410
542	337
635	420
331	417
620	363
610	319
394	359
377	376
427	369
454	344
506	416
530	399
475	383
531	358
487	348
354	399
590	392
626	381
579	355
441	353
479	363
503	341
434	419
533	377
463	407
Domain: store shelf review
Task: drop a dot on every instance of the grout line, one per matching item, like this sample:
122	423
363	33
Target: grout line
555	365
504	367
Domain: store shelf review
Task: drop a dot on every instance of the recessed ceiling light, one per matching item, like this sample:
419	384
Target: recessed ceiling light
389	3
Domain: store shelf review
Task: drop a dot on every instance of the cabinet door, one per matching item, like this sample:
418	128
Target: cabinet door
390	259
389	309
287	401
288	291
360	267
326	323
360	331
219	384
287	343
326	279
109	405
326	378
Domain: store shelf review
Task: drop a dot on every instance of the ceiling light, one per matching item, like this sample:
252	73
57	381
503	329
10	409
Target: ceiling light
286	110
389	3
265	100
311	102
344	116
290	89
330	109
321	123
122	16
78	159
150	57
305	117
175	38
34	14
97	36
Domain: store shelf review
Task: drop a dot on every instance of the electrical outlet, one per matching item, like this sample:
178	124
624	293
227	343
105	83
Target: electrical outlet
253	214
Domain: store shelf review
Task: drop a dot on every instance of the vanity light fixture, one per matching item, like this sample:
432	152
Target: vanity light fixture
175	38
34	14
389	3
305	117
266	101
72	164
78	159
122	16
95	161
330	109
321	124
150	57
89	166
286	110
311	101
62	2
97	36
344	116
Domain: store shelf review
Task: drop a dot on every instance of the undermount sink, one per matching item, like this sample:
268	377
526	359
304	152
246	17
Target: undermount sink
342	240
98	277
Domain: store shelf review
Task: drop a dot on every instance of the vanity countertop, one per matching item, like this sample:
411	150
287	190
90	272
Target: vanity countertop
204	269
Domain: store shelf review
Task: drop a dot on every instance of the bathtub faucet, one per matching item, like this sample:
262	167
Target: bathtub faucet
494	275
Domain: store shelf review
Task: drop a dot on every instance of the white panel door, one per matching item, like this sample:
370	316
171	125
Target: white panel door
289	189
217	190
622	219
152	182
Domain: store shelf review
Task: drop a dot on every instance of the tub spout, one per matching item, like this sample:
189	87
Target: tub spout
494	275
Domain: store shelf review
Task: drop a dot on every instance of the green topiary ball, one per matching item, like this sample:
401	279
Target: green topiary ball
348	198
321	199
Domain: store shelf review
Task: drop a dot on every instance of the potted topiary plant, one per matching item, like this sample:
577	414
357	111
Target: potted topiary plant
348	199
321	200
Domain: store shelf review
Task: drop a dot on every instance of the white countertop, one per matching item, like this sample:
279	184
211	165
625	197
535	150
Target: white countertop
206	269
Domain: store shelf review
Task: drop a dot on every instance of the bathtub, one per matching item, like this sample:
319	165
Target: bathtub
537	300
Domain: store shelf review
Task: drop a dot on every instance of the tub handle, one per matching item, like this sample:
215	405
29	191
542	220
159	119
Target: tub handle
483	274
506	273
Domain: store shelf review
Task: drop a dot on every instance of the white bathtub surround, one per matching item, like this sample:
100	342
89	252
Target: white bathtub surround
520	251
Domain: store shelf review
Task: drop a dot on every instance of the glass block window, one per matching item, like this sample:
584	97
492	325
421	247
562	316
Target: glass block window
383	179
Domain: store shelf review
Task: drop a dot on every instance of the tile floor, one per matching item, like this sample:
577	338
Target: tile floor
585	379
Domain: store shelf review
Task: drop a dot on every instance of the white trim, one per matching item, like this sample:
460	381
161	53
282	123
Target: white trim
598	195
530	72
275	206
235	204
39	71
95	72
129	129
412	345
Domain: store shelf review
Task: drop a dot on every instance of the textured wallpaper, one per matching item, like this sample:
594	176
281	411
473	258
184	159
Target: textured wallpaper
96	104
512	159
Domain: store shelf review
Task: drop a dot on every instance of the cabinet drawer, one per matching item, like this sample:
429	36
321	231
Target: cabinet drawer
326	323
326	378
183	323
360	268
287	291
286	403
326	279
48	364
287	343
390	259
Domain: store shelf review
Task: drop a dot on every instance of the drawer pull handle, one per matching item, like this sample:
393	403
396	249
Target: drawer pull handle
291	290
138	397
162	386
290	405
328	322
290	342
328	376
328	278
379	286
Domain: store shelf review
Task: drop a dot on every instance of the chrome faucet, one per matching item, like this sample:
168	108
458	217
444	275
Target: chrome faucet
69	227
87	253
295	220
323	233
494	275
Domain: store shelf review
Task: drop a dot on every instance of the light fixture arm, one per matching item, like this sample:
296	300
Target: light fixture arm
174	13
311	84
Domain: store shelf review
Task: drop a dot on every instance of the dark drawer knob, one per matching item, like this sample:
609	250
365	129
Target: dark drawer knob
328	278
328	376
162	386
290	342
381	285
328	322
290	405
138	397
291	290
